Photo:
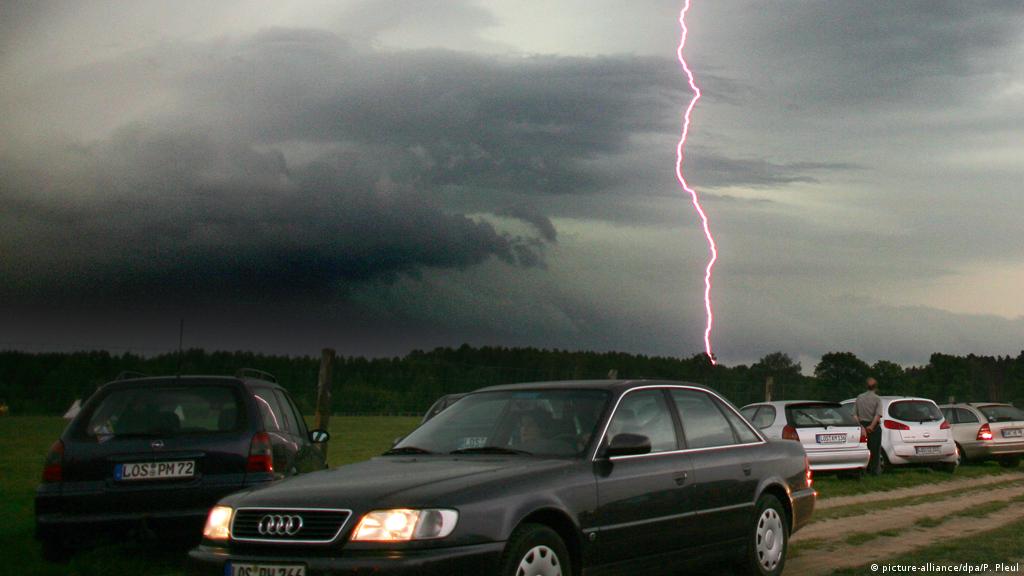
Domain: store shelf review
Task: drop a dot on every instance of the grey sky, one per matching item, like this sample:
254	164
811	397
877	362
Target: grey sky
378	176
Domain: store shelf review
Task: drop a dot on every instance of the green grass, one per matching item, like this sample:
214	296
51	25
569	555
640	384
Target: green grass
868	507
901	477
1003	545
24	441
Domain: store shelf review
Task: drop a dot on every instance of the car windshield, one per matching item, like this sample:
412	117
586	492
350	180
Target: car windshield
153	411
1002	413
915	411
539	422
818	415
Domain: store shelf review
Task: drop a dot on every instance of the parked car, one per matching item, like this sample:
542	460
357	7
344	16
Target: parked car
914	432
547	478
157	453
987	431
833	440
439	405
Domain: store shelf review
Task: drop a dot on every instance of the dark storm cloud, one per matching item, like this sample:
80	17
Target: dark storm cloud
717	171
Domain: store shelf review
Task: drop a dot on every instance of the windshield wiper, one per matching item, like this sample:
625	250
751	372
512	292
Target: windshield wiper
491	450
407	450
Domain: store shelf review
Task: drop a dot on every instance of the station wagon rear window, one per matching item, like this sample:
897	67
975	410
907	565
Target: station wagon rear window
998	413
818	415
915	411
165	411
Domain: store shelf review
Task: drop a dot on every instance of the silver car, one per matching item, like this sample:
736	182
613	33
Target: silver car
987	431
832	439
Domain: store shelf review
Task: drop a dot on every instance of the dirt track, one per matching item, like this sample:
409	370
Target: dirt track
822	546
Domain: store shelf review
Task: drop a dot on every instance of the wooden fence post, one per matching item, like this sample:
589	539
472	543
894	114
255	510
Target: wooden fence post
323	394
768	382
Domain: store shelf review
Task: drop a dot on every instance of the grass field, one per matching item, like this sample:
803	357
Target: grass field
24	441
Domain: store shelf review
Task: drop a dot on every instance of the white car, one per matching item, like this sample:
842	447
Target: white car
987	431
914	432
832	439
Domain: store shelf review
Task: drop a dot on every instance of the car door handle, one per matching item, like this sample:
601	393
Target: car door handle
746	469
681	479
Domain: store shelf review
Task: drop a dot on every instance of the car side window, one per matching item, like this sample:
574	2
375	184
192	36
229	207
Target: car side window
297	422
749	412
965	416
947	413
765	417
704	425
270	409
742	429
645	412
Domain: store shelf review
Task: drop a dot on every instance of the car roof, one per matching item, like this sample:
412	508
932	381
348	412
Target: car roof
784	403
615	386
187	380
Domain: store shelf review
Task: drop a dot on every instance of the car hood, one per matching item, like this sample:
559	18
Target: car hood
395	480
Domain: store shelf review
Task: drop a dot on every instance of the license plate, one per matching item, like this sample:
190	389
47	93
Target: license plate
924	450
1013	432
831	438
155	470
265	569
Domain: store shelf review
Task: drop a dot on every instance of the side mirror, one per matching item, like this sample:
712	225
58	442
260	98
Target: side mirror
628	445
319	436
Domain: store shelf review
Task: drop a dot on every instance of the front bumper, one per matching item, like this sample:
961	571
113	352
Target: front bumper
476	559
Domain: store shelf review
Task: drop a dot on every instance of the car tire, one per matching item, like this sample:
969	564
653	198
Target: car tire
1009	462
883	463
768	539
535	549
961	456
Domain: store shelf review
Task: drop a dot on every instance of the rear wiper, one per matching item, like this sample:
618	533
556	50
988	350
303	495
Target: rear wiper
491	450
407	450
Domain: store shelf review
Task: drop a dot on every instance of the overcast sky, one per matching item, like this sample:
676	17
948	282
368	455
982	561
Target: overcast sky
379	176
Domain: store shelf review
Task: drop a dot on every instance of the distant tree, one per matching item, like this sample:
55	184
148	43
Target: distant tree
841	375
891	377
785	374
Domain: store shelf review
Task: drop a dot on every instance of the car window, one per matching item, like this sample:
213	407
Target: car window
749	412
948	414
915	411
704	425
540	422
964	416
742	429
166	411
274	419
817	415
645	412
765	417
297	422
1002	413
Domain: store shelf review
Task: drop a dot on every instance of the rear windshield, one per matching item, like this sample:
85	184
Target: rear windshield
915	411
817	415
998	413
166	411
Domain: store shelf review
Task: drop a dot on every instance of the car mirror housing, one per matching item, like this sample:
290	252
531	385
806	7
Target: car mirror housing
319	436
628	445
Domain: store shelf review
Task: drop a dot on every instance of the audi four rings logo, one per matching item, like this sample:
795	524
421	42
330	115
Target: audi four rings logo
280	525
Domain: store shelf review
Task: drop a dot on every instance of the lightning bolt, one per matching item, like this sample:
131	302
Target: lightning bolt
680	153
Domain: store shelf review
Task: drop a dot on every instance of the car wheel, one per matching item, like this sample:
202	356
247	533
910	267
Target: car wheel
961	457
535	550
883	462
1010	462
766	549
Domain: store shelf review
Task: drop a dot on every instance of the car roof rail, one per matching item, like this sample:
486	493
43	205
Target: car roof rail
129	374
254	373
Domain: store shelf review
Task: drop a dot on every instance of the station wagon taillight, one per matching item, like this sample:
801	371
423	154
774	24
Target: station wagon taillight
261	454
789	433
894	425
984	433
52	471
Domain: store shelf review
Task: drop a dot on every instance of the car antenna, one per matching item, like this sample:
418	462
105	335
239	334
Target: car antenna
181	337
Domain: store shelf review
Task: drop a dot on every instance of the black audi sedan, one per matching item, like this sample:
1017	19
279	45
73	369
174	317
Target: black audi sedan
154	454
556	478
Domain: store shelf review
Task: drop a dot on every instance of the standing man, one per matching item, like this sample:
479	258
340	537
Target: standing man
868	411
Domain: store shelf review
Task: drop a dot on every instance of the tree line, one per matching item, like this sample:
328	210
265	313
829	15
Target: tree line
47	383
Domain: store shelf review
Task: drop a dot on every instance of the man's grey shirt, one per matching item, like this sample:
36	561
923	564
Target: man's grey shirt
868	406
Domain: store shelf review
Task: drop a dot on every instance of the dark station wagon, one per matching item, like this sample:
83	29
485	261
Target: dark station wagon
154	454
557	478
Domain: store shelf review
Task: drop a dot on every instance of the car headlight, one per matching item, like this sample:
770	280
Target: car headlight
218	523
403	524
